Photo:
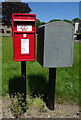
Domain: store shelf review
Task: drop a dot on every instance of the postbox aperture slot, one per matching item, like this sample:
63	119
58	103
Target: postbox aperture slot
24	18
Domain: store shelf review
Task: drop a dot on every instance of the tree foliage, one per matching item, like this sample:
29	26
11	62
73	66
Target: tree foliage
76	19
54	20
42	23
67	20
38	23
13	7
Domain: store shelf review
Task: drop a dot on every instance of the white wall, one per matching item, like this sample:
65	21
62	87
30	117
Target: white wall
76	26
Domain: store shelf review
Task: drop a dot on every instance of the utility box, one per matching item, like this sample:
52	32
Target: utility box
55	44
24	37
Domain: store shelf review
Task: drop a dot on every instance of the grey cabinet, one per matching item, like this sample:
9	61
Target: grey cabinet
55	44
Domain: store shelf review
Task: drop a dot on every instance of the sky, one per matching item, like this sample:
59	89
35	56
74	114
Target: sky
46	11
80	10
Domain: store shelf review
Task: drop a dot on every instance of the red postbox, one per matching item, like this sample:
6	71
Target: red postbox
24	37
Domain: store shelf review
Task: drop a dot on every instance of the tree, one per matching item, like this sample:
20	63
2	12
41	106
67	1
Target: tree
76	19
38	23
67	21
54	20
13	7
42	23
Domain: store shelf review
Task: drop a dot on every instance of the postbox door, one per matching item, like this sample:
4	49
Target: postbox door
24	46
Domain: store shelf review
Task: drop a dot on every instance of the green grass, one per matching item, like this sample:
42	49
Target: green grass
67	79
77	33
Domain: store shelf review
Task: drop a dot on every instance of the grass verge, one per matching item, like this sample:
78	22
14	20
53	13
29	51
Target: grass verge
67	79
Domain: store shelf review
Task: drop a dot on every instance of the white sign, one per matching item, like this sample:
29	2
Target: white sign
24	46
24	27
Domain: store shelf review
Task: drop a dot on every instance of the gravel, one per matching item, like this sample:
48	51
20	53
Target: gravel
64	110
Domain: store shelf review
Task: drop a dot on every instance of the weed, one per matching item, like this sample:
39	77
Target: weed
42	108
39	103
17	105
